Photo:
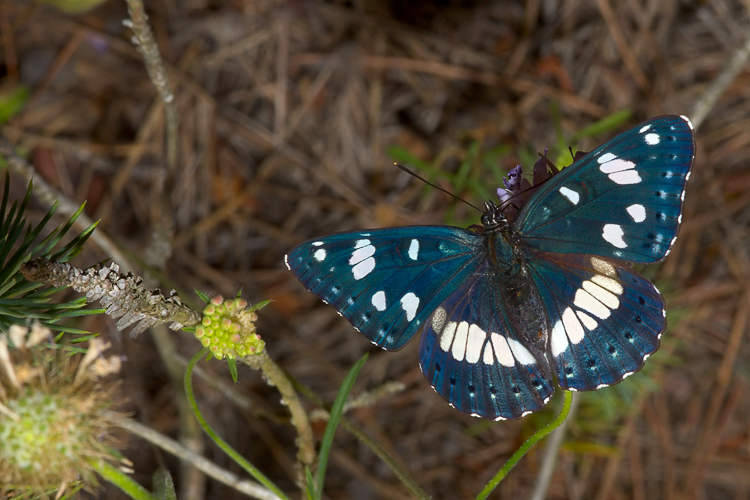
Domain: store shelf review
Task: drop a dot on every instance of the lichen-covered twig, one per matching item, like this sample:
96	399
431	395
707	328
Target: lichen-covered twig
124	296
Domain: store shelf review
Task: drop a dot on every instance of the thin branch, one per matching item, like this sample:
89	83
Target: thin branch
250	488
551	453
520	452
631	63
708	100
146	44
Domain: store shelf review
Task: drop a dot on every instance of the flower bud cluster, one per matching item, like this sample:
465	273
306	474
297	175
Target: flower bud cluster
228	329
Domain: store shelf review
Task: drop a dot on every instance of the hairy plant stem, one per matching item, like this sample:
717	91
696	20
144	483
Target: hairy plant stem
276	377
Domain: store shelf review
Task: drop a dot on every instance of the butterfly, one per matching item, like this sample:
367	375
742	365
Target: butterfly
510	308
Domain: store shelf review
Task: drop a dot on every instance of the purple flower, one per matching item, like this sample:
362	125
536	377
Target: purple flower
518	190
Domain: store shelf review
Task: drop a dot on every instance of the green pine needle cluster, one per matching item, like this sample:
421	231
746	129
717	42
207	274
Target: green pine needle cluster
22	301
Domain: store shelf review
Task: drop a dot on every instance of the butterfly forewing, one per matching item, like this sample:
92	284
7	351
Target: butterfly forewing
387	281
605	318
623	200
473	358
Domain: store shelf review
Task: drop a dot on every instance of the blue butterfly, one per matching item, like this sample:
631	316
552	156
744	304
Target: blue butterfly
509	307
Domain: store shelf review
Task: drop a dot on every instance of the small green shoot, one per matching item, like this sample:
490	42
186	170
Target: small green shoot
333	422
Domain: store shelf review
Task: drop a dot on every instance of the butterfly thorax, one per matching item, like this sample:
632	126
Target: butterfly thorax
499	240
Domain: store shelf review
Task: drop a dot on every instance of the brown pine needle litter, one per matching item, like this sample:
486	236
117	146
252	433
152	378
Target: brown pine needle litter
289	114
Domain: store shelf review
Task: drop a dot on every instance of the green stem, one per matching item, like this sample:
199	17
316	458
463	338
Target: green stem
333	421
231	452
538	435
121	480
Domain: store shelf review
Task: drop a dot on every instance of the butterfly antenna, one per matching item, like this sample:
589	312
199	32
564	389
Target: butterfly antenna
414	174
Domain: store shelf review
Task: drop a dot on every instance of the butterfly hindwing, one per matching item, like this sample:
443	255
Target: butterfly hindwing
472	358
622	200
387	281
605	318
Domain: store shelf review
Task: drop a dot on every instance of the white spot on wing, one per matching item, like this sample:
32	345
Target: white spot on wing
620	171
687	120
320	255
414	249
605	158
363	268
589	322
573	327
475	343
637	212
602	295
502	350
378	300
446	338
362	259
615	165
459	342
571	195
521	353
361	252
438	319
603	267
608	283
488	358
613	234
587	302
652	139
625	177
410	303
559	341
286	261
645	128
317	243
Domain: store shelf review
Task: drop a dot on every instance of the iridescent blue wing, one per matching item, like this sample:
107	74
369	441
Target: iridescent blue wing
605	318
622	200
386	282
471	356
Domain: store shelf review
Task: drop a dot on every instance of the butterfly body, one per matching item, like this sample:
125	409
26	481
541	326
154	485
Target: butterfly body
507	310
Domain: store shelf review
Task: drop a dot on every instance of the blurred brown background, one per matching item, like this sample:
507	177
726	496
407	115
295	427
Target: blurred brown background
288	111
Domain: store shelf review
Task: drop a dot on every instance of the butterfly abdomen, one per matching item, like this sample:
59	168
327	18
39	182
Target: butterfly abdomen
525	309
